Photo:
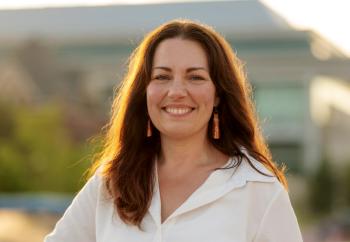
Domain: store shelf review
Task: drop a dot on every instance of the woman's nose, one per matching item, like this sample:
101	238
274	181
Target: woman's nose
177	88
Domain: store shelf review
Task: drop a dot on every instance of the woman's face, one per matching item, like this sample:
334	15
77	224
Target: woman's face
181	94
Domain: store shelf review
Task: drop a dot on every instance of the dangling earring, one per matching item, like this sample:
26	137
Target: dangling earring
149	128
216	128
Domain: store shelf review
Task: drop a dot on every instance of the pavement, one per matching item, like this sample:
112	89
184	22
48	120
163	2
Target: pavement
22	226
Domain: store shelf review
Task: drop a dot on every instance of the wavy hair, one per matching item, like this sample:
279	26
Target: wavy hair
129	156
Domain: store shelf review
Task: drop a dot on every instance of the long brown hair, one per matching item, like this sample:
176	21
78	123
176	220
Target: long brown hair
129	156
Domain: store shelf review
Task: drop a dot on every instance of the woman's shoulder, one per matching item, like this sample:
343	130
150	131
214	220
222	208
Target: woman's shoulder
96	184
254	175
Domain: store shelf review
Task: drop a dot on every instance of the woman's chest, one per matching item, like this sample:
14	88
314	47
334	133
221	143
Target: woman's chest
174	192
227	219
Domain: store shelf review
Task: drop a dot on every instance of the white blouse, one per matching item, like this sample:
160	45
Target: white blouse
240	206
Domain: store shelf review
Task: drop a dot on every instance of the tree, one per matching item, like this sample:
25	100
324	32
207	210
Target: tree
39	154
322	189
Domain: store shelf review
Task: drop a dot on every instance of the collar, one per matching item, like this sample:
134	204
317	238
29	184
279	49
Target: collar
219	183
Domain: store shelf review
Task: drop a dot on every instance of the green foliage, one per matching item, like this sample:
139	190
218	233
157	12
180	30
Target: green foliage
322	189
346	184
36	151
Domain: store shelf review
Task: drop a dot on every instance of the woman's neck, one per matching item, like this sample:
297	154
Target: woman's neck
185	154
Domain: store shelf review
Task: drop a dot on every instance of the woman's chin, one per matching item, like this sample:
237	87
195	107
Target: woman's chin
179	133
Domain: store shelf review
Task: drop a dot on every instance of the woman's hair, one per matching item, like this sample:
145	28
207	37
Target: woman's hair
128	155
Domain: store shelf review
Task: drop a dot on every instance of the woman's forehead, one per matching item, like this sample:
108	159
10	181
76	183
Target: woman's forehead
176	52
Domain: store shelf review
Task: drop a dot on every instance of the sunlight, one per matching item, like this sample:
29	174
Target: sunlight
328	17
327	93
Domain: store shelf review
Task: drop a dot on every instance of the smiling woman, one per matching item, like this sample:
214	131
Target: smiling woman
181	94
184	159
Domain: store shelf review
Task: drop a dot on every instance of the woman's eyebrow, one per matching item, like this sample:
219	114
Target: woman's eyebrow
196	69
162	68
187	70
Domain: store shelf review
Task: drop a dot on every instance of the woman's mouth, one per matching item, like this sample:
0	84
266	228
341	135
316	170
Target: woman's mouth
178	110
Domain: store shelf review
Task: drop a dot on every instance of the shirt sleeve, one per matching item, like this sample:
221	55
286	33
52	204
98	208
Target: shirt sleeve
78	222
279	222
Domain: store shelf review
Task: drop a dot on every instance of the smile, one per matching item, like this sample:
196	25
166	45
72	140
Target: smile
178	111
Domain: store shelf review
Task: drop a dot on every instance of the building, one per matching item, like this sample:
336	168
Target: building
288	67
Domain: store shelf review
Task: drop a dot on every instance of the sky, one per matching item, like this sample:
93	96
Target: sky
327	17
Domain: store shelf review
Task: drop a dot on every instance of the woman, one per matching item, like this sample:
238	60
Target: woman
184	159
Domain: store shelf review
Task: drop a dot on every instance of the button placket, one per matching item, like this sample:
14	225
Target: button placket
158	234
166	227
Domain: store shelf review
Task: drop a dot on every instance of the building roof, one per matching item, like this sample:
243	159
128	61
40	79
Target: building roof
135	20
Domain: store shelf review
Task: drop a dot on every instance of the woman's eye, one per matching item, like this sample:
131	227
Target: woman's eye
161	77
195	77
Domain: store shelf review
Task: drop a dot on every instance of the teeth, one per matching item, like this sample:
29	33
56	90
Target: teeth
178	110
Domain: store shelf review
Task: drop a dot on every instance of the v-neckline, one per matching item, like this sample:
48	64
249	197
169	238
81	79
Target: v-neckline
157	194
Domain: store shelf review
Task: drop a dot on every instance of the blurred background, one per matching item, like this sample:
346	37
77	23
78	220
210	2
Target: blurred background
60	62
